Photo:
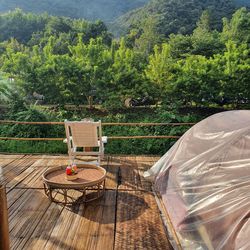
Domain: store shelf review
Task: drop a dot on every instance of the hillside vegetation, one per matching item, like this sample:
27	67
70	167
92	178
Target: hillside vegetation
105	10
62	61
176	16
242	3
170	16
77	59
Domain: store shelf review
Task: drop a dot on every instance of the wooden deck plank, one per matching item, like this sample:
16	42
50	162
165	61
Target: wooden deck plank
6	159
101	230
139	225
124	218
10	156
14	169
5	164
143	164
62	231
26	218
129	176
89	226
41	235
131	172
34	180
106	230
112	168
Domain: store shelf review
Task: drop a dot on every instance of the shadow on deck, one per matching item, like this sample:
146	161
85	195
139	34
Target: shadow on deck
126	217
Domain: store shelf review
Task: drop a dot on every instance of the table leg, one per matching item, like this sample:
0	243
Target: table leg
45	189
98	192
65	196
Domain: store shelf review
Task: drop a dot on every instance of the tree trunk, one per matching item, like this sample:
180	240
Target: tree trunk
90	101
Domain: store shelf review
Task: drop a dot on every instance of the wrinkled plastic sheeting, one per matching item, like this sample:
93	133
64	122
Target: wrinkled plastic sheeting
204	181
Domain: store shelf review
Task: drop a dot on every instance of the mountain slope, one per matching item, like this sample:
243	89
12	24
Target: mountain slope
106	10
245	3
176	16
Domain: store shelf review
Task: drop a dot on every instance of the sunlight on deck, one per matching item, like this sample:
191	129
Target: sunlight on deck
126	217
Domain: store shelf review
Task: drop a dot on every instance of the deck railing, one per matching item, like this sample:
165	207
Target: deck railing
138	124
4	230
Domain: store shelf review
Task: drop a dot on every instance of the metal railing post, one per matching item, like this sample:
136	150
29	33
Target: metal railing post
4	226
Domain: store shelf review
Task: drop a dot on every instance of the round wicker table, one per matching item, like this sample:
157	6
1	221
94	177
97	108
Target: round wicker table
89	185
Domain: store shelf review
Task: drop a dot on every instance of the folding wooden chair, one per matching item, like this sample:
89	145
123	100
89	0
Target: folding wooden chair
84	138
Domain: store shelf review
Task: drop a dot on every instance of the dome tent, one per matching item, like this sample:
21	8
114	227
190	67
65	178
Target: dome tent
204	183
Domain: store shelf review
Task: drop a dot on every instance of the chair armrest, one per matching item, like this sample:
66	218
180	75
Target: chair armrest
104	139
66	140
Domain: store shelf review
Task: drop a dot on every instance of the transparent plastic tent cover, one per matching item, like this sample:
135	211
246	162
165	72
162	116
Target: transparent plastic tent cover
204	182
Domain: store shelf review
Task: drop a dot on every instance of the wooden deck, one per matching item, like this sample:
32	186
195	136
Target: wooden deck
126	217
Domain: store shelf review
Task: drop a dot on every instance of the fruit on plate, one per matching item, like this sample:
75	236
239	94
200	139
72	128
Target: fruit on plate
71	173
74	167
69	170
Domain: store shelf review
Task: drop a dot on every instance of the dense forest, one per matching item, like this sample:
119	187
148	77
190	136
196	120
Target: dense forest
171	16
242	2
106	10
61	61
76	59
176	16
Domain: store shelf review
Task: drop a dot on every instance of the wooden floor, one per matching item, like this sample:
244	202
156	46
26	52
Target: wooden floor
126	217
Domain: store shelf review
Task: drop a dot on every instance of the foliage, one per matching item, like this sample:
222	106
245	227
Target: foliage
148	37
178	16
206	41
4	89
141	146
238	28
25	147
72	62
242	3
29	114
37	29
187	69
92	10
160	67
19	25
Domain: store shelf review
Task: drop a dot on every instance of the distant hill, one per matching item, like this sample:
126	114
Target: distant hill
172	16
105	10
176	16
242	2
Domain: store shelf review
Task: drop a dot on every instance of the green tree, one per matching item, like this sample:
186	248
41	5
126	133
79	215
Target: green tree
238	28
148	38
94	58
236	62
19	25
124	78
160	70
181	45
205	41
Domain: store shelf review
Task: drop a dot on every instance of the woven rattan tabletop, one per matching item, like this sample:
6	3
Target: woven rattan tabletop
88	175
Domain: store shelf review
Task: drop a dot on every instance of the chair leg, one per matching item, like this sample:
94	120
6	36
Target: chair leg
71	158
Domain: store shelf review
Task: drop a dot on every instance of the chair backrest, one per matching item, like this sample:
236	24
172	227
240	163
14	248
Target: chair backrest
83	133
